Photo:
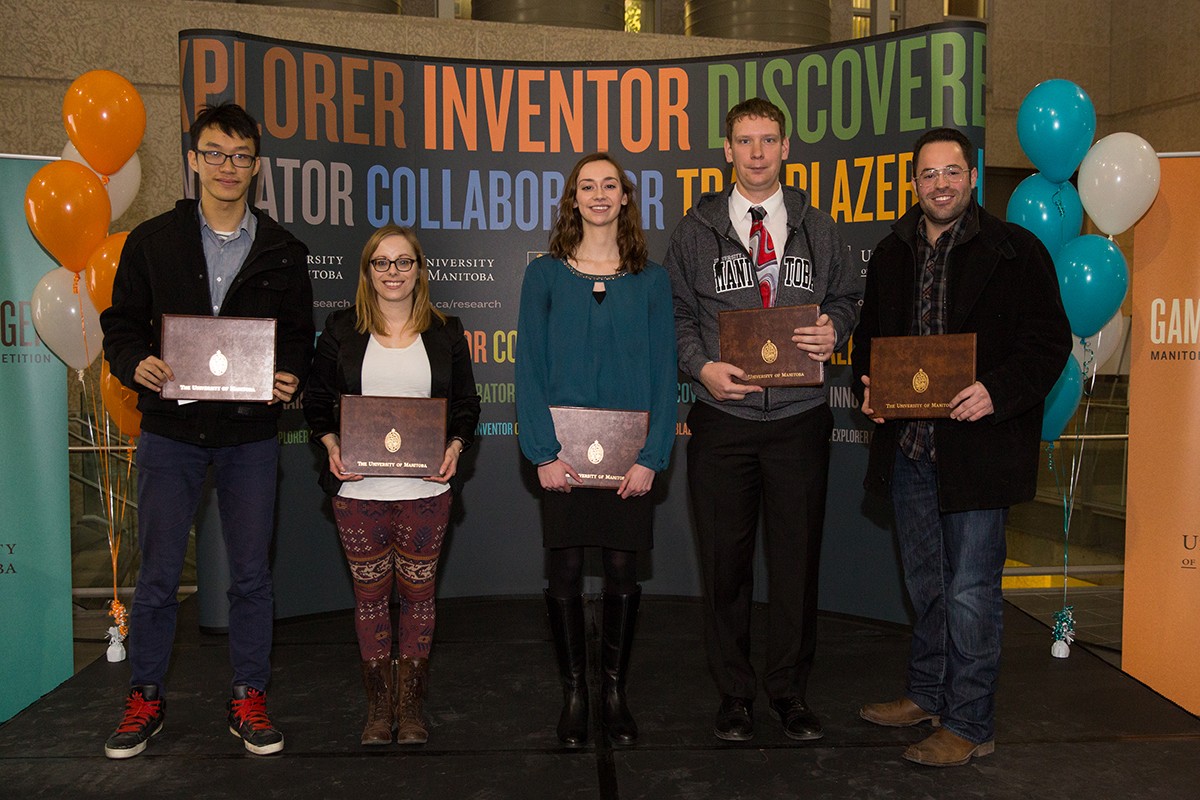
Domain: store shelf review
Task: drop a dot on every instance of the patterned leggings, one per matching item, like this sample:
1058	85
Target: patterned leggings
390	542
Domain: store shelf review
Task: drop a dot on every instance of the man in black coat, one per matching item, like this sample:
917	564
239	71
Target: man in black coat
951	267
213	257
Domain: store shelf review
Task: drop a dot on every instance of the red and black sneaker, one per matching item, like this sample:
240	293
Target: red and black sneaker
248	720
144	713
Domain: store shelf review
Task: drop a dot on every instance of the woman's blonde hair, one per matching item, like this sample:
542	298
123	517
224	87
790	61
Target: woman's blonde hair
366	300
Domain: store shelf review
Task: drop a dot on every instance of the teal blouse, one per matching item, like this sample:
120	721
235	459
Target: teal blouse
573	351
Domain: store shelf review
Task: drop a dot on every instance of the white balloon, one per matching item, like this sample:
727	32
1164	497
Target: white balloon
65	319
1104	344
122	186
1118	181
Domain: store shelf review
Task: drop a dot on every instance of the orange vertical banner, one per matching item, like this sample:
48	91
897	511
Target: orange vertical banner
1161	630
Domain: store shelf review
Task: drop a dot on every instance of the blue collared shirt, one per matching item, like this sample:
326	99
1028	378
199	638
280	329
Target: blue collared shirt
224	254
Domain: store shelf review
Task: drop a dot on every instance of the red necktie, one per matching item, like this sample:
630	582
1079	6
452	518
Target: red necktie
762	250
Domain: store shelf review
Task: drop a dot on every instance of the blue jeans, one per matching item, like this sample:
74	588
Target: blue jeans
952	569
170	480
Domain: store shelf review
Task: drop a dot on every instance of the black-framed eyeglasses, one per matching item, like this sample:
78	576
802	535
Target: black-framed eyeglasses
215	158
403	264
952	174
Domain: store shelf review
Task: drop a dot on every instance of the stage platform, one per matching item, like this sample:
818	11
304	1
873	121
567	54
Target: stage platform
1072	728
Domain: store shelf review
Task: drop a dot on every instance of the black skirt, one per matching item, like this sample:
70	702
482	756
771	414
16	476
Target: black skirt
597	518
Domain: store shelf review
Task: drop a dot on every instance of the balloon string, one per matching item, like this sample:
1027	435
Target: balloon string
1067	492
1062	214
114	492
1089	358
82	319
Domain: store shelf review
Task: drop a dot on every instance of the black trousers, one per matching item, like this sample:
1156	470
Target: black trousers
735	467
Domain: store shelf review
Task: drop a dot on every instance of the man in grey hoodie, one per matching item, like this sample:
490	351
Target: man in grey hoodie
758	244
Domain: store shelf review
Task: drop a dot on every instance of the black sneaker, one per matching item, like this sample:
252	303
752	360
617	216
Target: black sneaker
144	713
248	720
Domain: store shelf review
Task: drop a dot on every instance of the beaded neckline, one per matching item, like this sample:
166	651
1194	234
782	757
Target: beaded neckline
591	277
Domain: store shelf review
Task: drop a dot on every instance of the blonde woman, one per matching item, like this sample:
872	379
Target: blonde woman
392	342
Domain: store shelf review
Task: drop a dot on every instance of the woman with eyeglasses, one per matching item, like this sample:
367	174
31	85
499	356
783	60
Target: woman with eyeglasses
392	342
596	329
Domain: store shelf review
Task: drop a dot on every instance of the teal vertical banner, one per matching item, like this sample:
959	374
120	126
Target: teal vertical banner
36	650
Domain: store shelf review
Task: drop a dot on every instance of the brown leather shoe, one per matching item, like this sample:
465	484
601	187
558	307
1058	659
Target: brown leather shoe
945	749
897	714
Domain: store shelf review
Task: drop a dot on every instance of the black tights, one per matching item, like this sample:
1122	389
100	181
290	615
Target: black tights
565	565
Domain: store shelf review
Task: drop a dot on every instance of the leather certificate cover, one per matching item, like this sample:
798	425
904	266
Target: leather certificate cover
600	443
219	358
759	341
916	377
393	436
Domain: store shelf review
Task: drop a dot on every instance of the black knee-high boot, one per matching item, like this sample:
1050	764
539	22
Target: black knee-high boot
570	644
620	615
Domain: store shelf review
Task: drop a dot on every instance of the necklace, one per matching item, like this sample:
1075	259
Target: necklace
591	277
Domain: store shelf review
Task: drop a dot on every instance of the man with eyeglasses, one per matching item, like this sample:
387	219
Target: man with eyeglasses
951	267
215	256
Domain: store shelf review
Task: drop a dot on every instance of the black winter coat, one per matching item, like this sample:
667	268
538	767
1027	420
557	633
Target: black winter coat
1002	287
163	271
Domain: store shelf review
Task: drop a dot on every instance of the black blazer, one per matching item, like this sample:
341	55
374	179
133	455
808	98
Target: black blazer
337	370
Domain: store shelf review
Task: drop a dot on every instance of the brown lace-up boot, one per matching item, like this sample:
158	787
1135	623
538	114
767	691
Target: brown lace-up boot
408	692
378	729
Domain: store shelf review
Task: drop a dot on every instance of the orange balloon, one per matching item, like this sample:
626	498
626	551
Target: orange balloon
68	211
105	118
120	402
102	268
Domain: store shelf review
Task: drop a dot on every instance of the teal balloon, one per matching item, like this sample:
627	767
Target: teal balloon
1055	126
1062	401
1053	212
1093	279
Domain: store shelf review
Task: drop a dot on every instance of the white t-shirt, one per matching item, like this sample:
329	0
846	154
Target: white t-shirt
394	372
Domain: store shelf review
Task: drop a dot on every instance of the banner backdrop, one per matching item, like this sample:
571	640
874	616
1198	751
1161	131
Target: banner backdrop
1161	631
36	647
474	155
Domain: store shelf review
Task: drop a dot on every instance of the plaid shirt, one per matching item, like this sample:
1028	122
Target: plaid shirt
916	437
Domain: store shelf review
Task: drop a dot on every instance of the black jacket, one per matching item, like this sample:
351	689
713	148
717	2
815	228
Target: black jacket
163	271
337	370
1002	286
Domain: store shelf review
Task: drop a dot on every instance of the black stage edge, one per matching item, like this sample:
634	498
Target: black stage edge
1072	728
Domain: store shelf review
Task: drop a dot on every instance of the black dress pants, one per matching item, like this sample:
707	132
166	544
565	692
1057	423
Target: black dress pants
737	467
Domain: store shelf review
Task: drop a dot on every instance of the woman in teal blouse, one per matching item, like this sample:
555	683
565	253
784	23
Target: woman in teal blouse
596	330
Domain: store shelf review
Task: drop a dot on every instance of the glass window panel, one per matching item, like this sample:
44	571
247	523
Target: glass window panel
976	9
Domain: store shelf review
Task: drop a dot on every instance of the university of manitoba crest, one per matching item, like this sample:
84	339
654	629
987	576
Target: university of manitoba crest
920	381
392	441
595	452
769	352
218	364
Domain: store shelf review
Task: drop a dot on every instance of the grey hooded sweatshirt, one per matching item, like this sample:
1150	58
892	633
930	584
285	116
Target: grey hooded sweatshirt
711	271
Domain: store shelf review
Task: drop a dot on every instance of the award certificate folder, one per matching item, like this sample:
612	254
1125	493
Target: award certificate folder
219	358
600	443
916	377
759	342
393	436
